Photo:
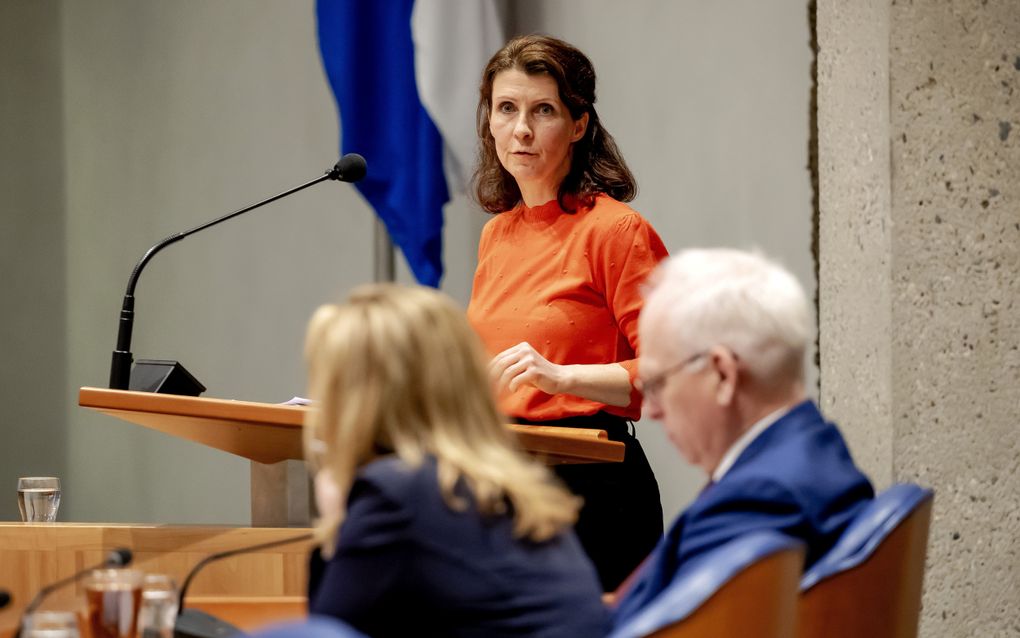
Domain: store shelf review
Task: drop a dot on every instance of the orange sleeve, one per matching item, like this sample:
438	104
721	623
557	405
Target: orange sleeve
632	251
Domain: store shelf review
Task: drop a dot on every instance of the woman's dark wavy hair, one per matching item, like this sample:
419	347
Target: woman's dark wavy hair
596	165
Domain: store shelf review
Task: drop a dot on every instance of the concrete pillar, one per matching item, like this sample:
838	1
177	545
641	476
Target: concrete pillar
919	177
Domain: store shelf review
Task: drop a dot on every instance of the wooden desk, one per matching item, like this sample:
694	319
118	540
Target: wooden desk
33	555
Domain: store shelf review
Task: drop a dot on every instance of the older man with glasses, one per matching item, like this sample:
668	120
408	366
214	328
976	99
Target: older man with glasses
724	335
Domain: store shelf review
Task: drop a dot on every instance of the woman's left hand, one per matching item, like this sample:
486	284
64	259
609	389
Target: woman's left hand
522	364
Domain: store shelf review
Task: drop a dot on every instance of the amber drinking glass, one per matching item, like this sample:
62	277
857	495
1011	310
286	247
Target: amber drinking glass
113	597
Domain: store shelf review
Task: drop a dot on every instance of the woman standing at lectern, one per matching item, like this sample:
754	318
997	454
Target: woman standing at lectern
557	294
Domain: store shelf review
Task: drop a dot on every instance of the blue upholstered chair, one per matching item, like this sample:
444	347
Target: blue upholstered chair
746	588
869	583
313	627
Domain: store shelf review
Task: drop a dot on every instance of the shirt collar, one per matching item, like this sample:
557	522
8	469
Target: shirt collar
745	440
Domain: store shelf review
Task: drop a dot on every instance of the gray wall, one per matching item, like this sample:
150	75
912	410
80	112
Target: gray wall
173	113
33	363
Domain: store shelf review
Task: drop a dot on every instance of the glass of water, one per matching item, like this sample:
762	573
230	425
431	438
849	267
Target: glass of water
39	498
158	612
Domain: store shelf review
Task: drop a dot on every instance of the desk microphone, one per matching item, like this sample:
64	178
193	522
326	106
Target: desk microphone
170	377
120	557
194	623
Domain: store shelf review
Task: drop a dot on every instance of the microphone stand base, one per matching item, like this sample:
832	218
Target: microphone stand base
164	377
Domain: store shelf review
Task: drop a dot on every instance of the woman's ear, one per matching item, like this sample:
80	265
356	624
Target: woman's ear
580	126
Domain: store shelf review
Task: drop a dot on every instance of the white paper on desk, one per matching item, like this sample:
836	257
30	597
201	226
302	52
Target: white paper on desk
298	401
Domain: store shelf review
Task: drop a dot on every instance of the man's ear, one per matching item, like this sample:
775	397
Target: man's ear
727	368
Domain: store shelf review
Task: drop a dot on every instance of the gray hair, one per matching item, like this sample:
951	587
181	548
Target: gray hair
737	299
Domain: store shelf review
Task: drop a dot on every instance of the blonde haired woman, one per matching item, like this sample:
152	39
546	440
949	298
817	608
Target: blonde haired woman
433	521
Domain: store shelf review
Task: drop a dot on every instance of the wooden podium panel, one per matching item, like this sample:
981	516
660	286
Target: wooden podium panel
35	554
269	433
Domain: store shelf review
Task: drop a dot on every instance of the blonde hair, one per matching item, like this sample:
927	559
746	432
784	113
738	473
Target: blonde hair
398	369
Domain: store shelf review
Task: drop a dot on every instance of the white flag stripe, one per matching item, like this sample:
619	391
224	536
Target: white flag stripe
453	40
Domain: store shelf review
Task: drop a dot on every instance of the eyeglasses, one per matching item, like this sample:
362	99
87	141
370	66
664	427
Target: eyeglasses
651	387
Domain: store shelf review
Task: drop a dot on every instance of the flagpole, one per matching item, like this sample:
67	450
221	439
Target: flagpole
384	254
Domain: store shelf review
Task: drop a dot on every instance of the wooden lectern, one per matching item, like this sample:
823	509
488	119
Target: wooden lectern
269	434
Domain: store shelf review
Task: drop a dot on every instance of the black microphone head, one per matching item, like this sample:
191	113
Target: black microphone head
351	168
5	598
119	557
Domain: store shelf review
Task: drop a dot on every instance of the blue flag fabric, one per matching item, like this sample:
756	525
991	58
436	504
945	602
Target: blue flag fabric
368	55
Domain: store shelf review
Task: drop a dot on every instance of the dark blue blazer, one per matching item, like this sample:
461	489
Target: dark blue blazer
797	478
407	564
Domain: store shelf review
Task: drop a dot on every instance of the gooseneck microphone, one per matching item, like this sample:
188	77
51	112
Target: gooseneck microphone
119	557
194	623
350	168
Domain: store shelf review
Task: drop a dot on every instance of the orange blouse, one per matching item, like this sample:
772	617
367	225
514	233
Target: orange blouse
568	284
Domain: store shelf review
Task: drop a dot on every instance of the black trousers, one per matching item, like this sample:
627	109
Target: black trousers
621	520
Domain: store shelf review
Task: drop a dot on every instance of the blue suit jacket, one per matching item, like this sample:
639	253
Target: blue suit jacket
797	478
406	564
